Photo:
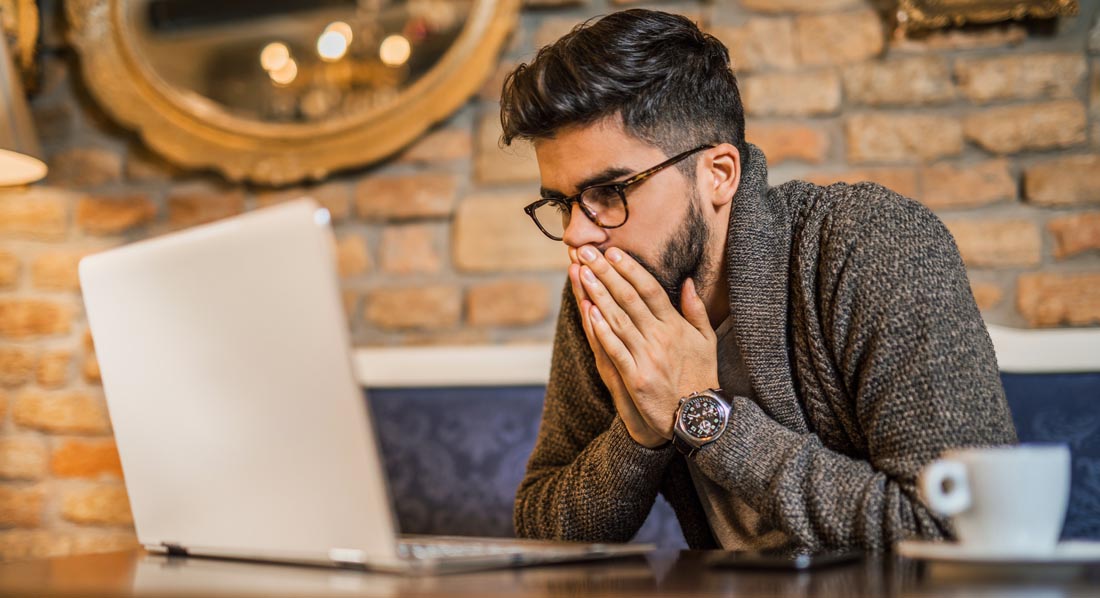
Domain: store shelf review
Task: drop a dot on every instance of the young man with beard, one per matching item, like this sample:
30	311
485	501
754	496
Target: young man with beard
779	362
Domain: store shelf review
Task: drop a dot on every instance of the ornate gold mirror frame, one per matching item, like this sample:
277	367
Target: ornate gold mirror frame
935	14
186	131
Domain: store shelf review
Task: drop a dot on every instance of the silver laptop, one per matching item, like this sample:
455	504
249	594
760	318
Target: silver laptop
242	430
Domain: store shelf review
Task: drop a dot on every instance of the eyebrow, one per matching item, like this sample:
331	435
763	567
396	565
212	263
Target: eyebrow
604	176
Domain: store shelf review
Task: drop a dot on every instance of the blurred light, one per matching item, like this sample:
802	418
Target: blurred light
274	56
332	46
342	28
395	50
286	74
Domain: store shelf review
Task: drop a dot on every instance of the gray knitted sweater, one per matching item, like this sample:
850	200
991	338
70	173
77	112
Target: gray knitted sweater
868	358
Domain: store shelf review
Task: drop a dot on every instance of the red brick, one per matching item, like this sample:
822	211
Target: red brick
16	366
9	269
34	212
72	412
507	303
1002	35
1020	76
1012	129
759	43
20	506
409	249
428	307
1050	299
144	166
910	81
899	180
803	93
195	206
799	5
58	270
788	141
352	258
22	457
493	164
492	234
110	215
29	318
99	504
986	295
948	186
443	145
85	167
886	137
995	243
406	196
839	38
334	197
90	369
86	459
490	91
1075	234
20	544
1064	181
53	368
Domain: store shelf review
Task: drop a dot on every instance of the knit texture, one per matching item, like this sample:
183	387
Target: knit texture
868	357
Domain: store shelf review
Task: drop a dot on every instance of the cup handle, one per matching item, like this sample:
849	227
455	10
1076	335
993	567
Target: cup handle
944	487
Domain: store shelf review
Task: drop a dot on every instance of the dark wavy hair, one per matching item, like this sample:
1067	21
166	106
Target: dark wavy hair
671	84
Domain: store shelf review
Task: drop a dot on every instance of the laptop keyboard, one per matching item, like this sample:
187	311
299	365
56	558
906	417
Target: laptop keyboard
435	549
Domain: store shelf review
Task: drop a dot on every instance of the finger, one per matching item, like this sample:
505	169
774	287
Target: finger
621	324
621	290
612	345
695	311
647	287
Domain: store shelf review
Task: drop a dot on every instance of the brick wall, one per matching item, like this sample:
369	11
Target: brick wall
997	129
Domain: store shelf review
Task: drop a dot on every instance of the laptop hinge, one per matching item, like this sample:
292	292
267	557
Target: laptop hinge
174	549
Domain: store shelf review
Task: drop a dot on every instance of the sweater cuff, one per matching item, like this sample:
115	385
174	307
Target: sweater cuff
745	459
631	458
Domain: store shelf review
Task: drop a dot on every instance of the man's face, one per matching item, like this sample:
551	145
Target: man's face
666	231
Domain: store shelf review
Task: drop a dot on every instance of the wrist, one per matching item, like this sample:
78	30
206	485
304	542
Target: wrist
701	418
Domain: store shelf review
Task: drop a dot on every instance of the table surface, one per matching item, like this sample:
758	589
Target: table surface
661	573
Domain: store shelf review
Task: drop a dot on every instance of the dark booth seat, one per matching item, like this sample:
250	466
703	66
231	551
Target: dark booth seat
455	456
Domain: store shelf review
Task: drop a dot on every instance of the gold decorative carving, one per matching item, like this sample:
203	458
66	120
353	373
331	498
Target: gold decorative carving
189	133
935	14
20	22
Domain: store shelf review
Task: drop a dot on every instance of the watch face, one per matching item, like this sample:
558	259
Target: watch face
701	417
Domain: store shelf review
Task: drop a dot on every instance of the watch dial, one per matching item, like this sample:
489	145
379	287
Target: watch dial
701	417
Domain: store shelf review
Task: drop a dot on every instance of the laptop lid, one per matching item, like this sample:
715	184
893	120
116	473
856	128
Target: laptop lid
224	353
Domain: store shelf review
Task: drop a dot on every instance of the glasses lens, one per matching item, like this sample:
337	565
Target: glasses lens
606	203
553	217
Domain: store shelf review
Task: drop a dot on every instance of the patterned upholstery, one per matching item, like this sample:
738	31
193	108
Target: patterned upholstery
455	456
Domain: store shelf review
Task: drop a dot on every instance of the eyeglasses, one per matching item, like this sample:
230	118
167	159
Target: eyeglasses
604	204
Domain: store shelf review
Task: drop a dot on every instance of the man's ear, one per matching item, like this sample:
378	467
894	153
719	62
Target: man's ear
721	174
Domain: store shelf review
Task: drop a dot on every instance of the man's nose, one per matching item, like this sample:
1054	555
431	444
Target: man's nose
581	229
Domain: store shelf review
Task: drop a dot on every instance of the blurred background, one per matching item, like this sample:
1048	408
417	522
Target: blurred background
994	126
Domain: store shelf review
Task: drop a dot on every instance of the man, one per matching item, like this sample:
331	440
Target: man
823	341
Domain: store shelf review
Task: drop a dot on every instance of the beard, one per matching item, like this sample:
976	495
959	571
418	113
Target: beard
684	256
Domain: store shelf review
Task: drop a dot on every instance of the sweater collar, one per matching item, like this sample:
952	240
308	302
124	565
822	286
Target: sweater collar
758	254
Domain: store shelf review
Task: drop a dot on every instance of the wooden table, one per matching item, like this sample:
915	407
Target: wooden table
659	574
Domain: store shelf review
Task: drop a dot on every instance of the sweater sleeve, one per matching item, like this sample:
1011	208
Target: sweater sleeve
587	479
893	330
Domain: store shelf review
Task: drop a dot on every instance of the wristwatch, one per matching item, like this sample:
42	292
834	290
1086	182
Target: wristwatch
700	420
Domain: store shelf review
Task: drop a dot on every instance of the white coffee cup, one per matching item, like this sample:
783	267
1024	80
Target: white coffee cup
1008	499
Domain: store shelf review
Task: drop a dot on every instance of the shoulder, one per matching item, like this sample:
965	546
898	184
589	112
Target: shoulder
862	213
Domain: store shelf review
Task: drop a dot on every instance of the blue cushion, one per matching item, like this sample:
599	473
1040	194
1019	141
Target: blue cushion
455	456
1064	408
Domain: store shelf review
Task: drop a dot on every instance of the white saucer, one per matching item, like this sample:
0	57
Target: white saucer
1073	552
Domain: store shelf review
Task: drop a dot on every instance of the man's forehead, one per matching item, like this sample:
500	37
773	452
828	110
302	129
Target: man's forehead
579	156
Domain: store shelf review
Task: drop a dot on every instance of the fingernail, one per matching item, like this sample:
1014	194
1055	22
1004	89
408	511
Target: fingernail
588	275
596	315
588	253
614	255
